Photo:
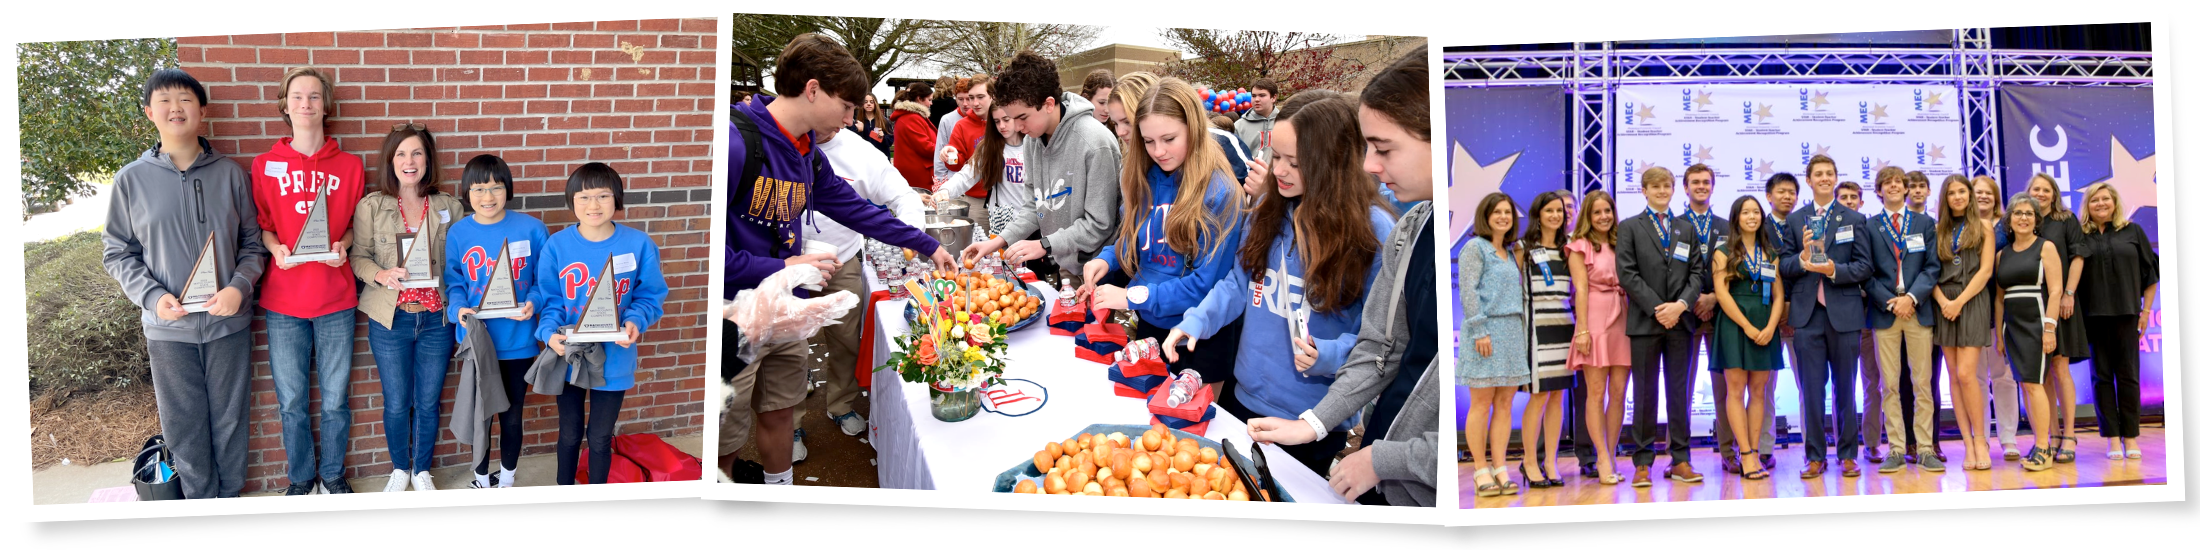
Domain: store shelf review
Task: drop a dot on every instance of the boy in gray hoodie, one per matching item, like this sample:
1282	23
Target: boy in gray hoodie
165	206
1074	172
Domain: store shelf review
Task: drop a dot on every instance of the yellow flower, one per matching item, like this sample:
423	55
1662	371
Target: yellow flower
973	355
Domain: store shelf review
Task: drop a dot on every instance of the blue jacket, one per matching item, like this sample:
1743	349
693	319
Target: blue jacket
469	249
1920	269
1852	266
789	190
570	270
1174	284
1269	382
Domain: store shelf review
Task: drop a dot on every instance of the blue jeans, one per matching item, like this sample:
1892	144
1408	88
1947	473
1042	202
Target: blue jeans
413	356
325	343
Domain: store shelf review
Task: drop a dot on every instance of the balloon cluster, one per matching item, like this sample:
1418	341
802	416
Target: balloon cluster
1226	101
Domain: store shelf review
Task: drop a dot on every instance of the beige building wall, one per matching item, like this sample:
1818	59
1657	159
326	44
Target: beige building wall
1120	59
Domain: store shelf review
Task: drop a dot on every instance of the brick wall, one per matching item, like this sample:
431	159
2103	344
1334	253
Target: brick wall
547	98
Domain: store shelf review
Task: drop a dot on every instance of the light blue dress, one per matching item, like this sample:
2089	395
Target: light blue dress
1492	304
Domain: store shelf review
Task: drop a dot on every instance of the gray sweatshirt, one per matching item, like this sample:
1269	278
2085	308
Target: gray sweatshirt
1405	459
1252	130
157	223
1076	179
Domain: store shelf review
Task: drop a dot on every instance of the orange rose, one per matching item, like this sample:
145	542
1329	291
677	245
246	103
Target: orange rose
927	353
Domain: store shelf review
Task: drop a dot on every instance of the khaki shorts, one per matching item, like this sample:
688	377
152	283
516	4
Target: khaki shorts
772	383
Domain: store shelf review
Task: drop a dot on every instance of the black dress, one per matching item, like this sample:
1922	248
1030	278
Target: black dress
2070	340
2023	310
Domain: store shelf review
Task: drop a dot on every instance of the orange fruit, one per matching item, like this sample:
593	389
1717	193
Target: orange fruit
1174	493
1182	462
1139	488
1213	495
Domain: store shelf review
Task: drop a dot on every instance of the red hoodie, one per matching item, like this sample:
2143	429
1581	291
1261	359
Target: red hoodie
964	139
913	140
283	186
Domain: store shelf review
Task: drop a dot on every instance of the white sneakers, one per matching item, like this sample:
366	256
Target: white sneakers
505	477
801	452
423	482
398	479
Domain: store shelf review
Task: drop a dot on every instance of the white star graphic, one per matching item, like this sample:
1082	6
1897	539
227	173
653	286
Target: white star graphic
1703	99
2132	177
1764	166
1936	154
1705	155
1470	181
1818	101
1647	112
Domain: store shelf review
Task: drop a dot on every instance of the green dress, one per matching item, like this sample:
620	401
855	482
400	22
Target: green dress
1731	346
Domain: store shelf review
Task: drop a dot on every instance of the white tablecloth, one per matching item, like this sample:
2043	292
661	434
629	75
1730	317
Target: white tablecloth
916	451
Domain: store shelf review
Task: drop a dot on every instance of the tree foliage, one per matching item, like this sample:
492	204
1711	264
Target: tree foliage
80	116
881	45
970	47
1234	59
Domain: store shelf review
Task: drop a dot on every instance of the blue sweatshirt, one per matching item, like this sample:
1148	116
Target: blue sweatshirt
1269	381
570	263
1173	284
470	248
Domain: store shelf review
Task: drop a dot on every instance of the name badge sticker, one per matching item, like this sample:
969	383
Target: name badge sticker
522	249
1915	243
445	214
1769	273
623	263
1680	251
277	169
1844	235
1541	255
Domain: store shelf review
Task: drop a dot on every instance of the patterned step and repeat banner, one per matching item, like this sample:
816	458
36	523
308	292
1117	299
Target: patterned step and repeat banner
1748	132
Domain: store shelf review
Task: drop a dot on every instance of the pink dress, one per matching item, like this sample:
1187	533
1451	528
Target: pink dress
1601	311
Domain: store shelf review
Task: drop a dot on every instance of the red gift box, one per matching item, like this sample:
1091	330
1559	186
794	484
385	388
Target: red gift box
1068	317
1199	429
1089	355
1127	391
1195	409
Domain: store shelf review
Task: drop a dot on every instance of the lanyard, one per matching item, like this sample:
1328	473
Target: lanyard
1780	231
1665	233
1703	226
1955	245
1895	234
1755	262
1545	266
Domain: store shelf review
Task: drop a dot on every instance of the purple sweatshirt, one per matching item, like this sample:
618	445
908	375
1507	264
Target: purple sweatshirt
768	210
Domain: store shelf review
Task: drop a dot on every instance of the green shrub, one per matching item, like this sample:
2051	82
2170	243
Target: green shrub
83	334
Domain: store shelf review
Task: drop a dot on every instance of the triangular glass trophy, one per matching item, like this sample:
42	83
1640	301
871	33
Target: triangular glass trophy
313	244
500	299
419	261
205	280
599	321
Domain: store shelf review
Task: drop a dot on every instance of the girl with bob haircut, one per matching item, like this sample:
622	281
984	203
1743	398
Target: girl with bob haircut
1301	276
1181	225
573	263
411	337
473	249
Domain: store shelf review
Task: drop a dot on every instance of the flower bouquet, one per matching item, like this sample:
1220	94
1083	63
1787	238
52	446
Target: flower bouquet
953	352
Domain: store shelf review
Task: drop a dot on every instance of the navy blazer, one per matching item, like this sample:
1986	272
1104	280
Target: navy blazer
1920	270
1851	267
1650	275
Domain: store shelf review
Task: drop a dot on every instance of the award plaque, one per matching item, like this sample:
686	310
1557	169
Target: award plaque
204	280
499	300
312	244
599	321
419	262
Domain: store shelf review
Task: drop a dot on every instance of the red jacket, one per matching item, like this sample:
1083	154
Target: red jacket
283	186
913	141
964	139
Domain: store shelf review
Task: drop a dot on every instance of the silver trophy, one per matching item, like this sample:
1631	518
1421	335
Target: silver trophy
312	244
500	300
204	281
418	260
599	321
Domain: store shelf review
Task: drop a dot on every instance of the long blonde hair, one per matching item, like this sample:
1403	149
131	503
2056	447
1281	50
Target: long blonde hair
2115	217
1130	90
1189	221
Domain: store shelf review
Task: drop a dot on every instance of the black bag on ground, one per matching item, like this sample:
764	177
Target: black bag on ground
146	468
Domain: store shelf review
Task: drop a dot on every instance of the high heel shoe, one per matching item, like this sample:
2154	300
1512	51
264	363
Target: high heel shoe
1483	486
1534	483
1555	480
2039	459
1752	475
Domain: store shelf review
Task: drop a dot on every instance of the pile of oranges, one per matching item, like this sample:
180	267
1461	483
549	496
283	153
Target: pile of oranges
1155	464
991	297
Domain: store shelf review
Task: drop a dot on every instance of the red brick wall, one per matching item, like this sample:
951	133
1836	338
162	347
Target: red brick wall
547	98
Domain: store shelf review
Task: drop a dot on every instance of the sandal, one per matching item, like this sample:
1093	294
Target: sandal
1556	481
1505	483
2039	459
2062	455
1534	483
1756	474
1611	476
1483	487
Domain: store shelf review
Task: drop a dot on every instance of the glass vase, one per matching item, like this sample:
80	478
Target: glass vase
949	405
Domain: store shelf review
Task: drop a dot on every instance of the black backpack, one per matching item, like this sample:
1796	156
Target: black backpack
752	164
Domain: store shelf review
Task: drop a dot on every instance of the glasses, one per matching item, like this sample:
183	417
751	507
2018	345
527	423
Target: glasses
414	126
492	188
2022	214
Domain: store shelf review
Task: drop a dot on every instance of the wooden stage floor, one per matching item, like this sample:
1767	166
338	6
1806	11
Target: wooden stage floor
2093	469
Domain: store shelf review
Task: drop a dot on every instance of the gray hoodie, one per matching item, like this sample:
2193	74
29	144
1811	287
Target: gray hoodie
157	223
1405	459
1253	129
1076	185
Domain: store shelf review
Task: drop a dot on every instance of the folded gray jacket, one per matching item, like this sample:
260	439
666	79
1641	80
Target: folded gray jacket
480	388
549	375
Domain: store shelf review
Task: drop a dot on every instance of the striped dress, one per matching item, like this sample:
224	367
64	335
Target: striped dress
1550	318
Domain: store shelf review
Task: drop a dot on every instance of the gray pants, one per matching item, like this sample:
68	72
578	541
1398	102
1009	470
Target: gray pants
204	391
